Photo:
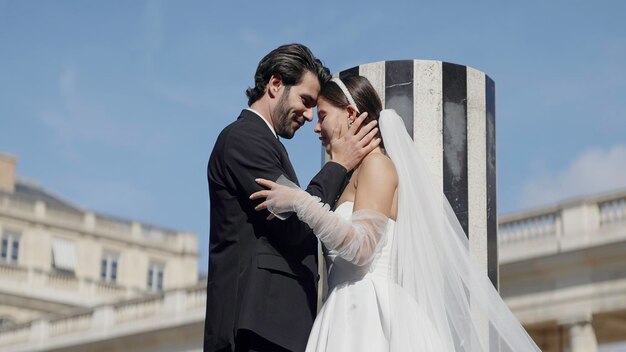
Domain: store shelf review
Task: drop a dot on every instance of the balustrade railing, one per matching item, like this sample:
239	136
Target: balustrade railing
17	205
137	309
529	228
196	297
64	216
613	211
134	311
15	334
13	272
112	225
70	324
54	282
579	217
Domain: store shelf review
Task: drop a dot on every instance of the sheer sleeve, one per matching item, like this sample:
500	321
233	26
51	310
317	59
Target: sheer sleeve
355	239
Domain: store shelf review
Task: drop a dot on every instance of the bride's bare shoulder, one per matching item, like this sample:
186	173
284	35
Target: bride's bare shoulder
377	184
379	167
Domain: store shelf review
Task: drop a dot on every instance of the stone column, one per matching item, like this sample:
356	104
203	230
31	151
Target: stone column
449	110
582	337
103	318
39	332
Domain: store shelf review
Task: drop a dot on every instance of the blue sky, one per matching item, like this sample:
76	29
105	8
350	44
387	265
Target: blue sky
116	105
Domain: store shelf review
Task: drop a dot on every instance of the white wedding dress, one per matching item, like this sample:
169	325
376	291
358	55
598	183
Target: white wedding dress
357	314
413	285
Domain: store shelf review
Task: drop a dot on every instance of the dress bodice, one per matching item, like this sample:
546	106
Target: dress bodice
341	270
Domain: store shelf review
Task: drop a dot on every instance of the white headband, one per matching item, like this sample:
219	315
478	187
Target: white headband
346	92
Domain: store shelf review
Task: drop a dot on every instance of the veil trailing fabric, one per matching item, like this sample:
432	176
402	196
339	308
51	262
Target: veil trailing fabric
431	263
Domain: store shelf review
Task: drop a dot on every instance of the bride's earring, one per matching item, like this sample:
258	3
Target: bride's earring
350	123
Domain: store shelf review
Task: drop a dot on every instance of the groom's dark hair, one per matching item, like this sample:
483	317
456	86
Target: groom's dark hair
290	62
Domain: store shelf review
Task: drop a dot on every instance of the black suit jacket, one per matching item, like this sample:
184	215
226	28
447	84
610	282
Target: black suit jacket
262	274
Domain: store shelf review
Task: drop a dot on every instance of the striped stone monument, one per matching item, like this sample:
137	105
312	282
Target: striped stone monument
449	110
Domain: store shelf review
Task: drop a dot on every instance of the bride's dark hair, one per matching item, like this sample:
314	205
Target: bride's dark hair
364	95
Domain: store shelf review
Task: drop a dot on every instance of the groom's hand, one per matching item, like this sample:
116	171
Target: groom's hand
348	150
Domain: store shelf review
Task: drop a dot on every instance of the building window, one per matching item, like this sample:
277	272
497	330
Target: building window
9	253
6	322
64	256
108	268
155	277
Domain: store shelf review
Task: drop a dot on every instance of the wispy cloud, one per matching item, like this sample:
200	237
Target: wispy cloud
78	121
595	170
185	97
251	37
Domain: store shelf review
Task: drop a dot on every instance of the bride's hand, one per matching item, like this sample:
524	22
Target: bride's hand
279	199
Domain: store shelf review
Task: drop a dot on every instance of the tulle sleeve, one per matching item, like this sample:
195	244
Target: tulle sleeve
355	239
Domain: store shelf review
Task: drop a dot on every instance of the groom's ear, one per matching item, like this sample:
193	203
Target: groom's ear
274	85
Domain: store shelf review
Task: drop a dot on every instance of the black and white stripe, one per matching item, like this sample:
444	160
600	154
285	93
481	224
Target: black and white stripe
449	110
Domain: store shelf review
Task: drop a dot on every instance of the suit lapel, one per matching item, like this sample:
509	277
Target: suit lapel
287	164
267	133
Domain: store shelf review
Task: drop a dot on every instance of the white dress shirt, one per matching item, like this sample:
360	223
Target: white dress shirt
264	120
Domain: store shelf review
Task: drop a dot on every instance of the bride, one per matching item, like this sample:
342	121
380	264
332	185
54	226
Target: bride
400	274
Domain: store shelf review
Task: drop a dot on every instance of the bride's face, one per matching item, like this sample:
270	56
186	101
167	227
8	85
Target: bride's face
329	117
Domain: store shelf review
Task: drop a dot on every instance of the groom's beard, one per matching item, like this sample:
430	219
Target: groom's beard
283	123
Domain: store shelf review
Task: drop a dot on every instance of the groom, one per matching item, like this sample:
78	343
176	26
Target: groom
261	292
